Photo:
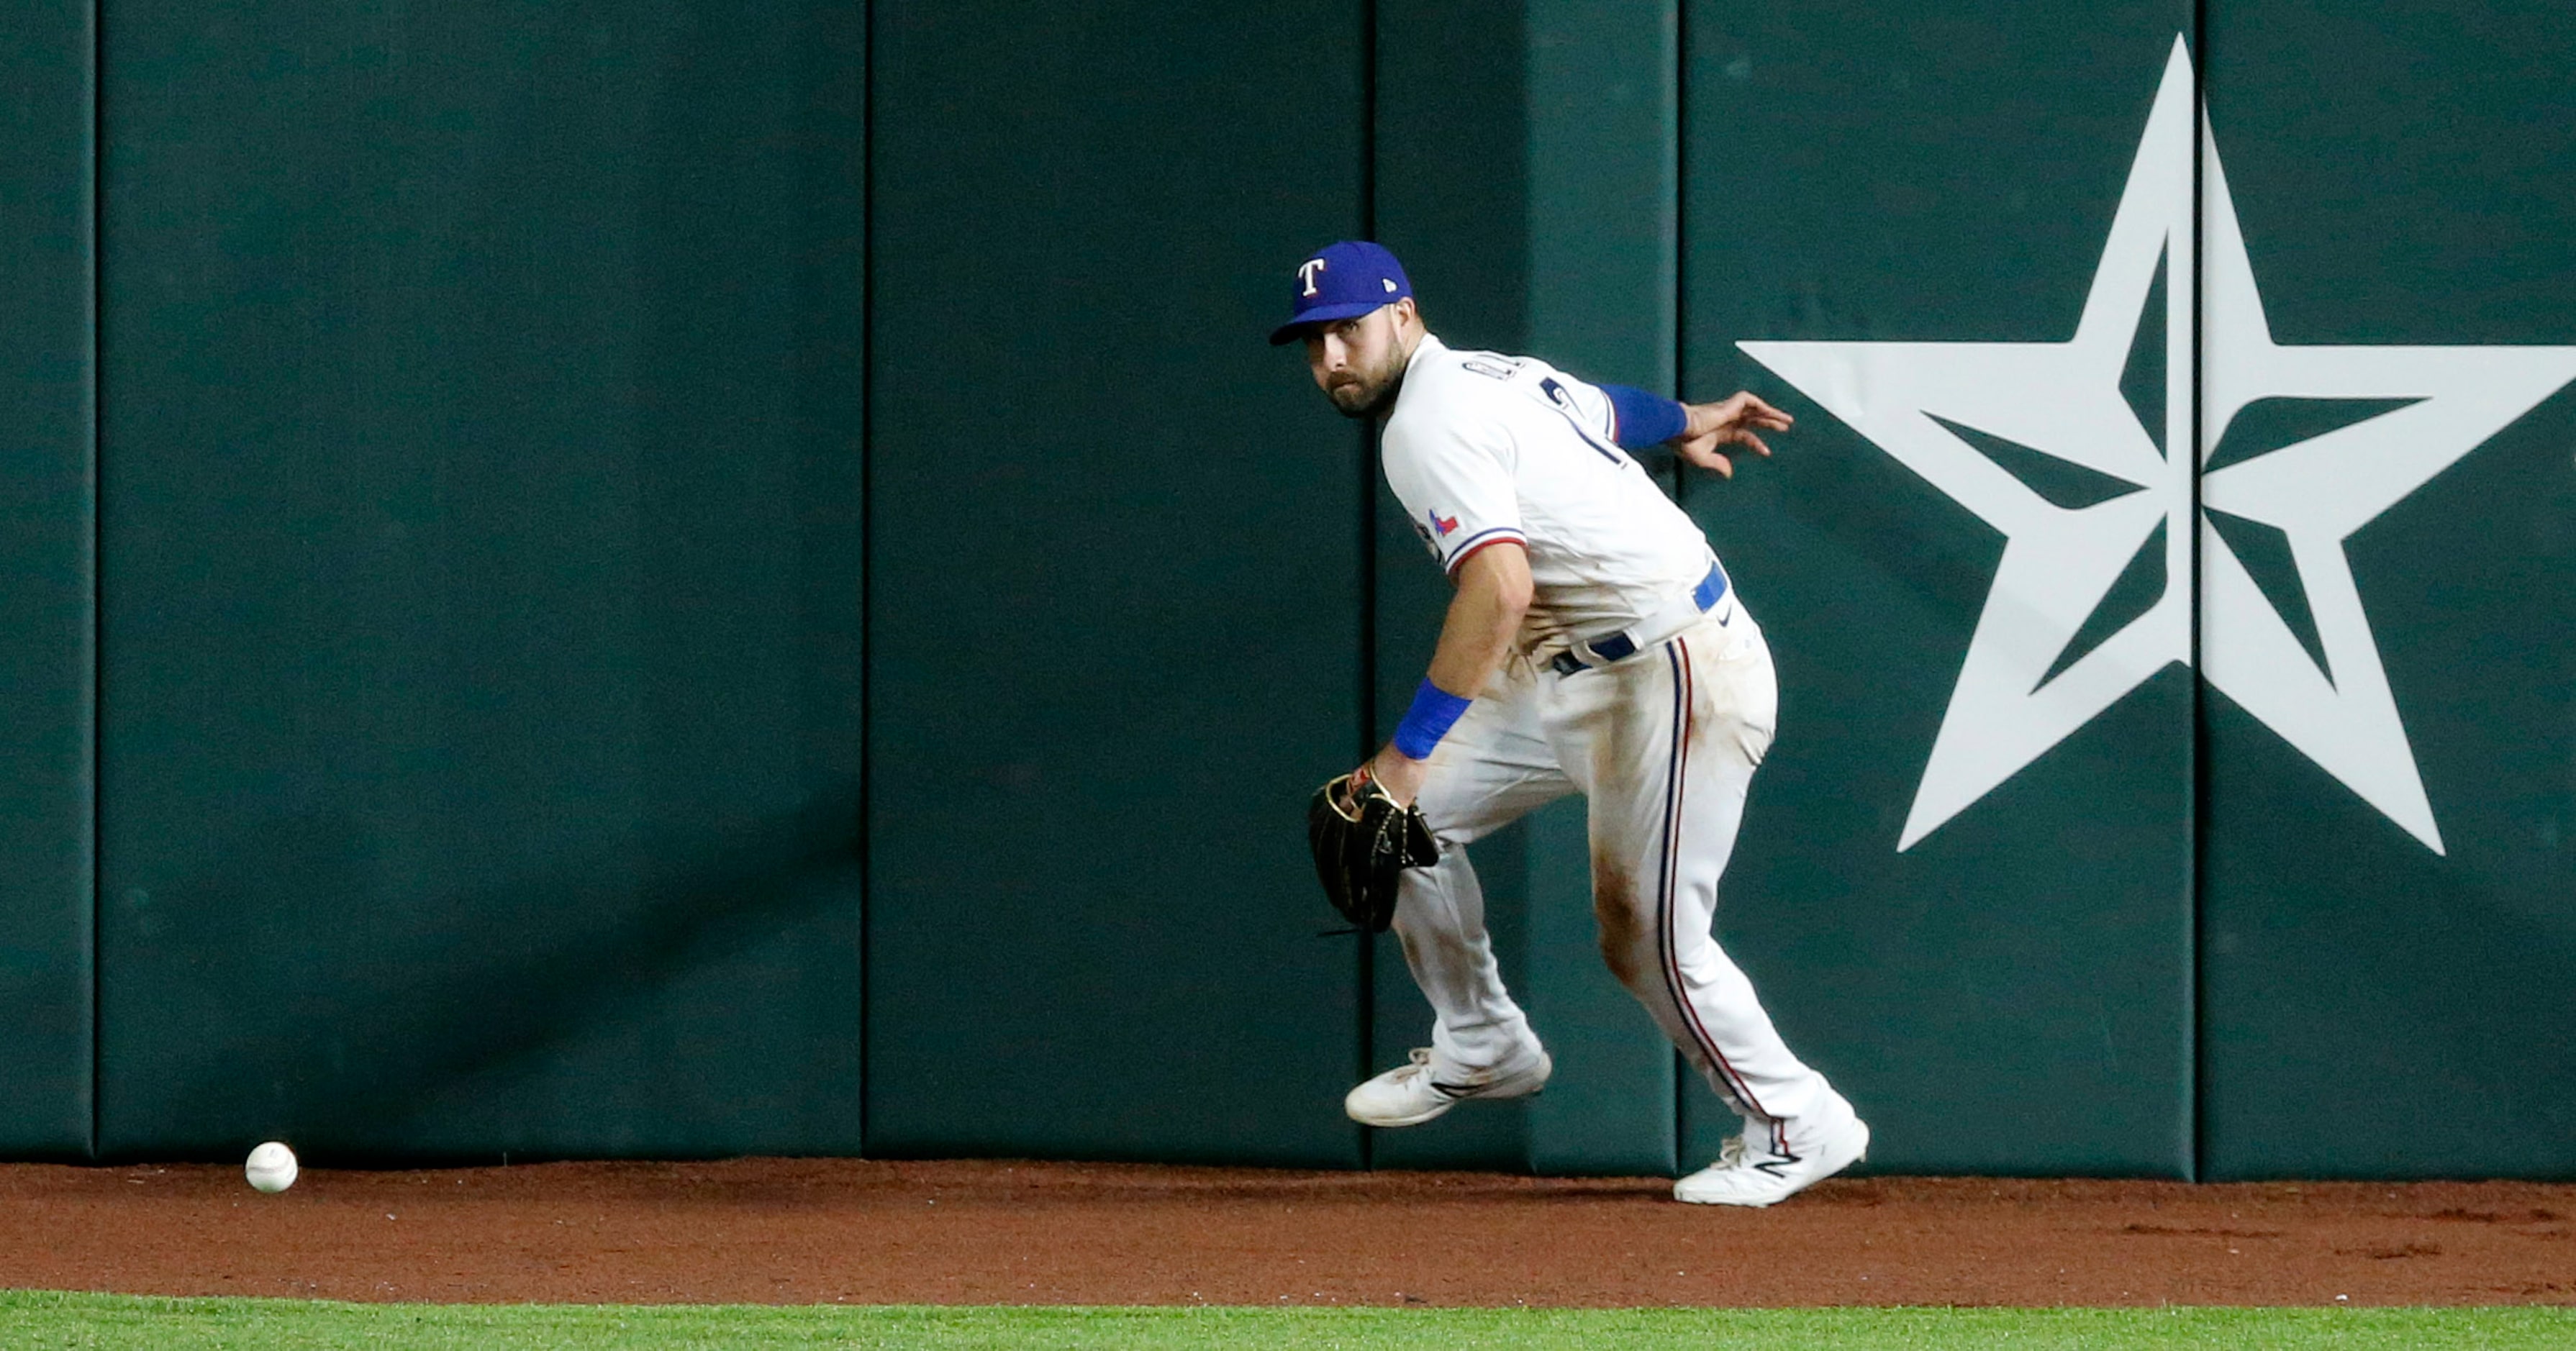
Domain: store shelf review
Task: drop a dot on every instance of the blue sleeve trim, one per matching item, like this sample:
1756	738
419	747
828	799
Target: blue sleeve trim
1644	419
1433	713
1477	541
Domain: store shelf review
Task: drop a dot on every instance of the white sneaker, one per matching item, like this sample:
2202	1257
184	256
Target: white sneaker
1417	1091
1749	1172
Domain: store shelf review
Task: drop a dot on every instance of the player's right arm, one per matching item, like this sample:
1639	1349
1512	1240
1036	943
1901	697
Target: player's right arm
1494	592
1450	461
1493	597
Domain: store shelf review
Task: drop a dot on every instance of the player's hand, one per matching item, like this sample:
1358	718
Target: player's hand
1730	421
1400	774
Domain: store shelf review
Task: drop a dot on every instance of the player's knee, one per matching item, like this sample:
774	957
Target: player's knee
1629	963
1627	941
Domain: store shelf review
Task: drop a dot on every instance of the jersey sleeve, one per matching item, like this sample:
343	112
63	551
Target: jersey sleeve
1455	480
1625	416
1585	403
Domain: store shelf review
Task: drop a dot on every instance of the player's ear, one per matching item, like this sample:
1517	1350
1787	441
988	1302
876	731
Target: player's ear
1406	312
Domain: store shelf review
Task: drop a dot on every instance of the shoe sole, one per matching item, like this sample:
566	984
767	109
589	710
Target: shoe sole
1391	1123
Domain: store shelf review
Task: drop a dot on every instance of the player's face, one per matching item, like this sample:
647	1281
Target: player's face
1357	362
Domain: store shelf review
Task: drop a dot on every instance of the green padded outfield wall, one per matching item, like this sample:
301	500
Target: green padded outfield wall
496	616
2389	921
46	614
1964	883
1525	173
1115	581
481	481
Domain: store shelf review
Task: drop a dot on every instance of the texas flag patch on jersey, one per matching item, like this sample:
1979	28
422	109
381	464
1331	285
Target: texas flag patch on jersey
1442	525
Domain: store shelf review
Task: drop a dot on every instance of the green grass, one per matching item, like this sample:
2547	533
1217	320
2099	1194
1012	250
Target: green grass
33	1319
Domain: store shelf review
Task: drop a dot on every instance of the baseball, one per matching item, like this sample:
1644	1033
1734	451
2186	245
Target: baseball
271	1167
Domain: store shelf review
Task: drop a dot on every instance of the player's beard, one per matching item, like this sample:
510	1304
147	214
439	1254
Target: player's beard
1365	397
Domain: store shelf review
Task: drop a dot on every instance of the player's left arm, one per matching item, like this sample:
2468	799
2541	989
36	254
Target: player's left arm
1494	592
1695	431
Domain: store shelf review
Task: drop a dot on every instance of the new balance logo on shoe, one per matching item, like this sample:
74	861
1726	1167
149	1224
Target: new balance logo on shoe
1749	1175
1410	1094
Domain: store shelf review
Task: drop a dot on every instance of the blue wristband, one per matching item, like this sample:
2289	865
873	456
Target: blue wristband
1644	419
1434	712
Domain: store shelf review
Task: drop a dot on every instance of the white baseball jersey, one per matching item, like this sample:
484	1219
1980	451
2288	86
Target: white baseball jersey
1484	448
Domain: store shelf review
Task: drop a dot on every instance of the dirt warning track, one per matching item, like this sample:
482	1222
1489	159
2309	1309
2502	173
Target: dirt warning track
820	1231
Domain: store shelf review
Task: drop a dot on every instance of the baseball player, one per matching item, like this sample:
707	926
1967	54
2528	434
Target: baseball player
1594	645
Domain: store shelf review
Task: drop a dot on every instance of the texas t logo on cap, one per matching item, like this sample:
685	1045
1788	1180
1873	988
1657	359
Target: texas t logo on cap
1342	281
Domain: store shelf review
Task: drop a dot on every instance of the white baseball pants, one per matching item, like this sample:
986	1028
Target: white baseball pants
1662	745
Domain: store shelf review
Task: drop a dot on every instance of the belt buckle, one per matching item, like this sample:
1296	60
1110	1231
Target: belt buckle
1603	650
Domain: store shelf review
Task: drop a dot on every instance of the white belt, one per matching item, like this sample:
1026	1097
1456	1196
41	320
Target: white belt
1713	598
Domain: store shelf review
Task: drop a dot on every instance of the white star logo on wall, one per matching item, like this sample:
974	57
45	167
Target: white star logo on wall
1923	402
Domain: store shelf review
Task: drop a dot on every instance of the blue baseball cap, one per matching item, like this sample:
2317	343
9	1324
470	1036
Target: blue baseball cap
1343	281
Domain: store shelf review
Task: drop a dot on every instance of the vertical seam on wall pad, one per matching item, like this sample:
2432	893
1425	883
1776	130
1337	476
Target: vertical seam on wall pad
1681	233
2198	774
1366	968
867	544
1682	1073
97	554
